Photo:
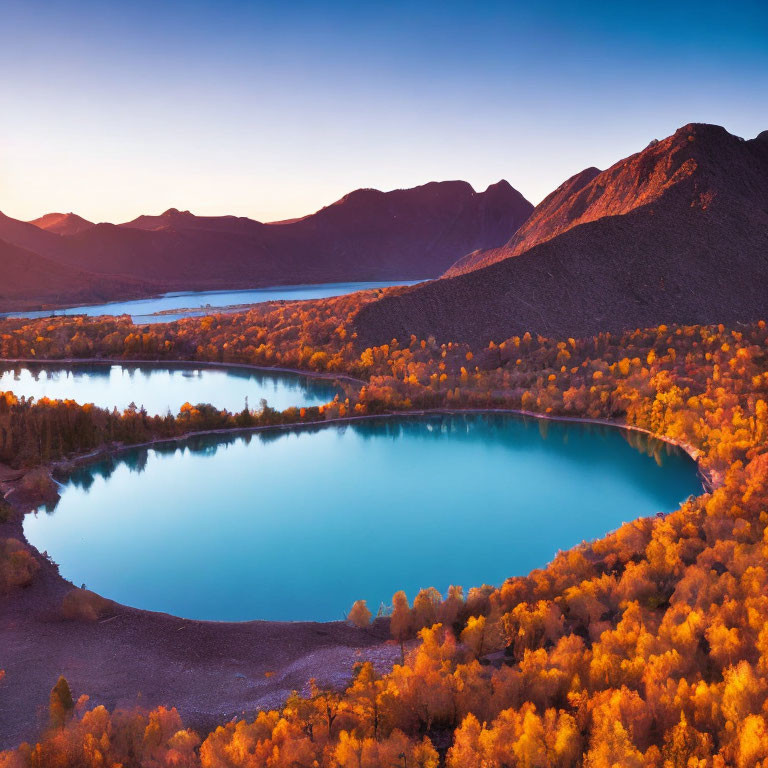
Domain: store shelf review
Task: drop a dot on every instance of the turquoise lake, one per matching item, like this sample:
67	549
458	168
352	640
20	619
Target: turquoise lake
296	525
174	306
159	389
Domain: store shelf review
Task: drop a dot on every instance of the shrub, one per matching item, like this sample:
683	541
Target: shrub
84	605
17	565
40	484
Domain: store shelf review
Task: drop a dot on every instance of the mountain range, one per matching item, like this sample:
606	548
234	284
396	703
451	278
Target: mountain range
367	235
677	233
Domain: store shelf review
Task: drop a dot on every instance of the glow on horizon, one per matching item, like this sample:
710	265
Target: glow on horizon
113	110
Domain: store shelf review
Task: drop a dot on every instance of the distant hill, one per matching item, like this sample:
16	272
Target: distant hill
367	235
677	233
28	236
63	223
25	273
174	219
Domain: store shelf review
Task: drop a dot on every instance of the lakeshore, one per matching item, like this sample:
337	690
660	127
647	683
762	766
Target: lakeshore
207	669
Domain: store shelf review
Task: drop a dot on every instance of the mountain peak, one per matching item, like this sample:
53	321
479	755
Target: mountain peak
63	223
431	190
174	219
703	130
690	165
501	184
503	193
176	212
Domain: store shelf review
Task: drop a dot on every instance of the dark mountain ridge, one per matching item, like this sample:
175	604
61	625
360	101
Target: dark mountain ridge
173	219
367	235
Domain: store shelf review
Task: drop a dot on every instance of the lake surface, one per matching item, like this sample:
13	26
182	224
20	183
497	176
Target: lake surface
160	389
295	525
198	303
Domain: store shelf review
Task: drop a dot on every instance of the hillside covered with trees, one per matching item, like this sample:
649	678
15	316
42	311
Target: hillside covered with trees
645	648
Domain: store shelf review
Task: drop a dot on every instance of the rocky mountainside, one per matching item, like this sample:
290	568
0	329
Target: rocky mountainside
677	233
549	217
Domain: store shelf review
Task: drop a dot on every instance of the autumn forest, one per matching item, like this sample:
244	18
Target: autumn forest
646	647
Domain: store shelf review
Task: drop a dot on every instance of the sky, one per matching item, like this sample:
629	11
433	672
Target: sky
272	110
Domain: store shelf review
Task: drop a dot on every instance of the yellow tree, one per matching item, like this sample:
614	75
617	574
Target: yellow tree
359	615
365	698
473	635
400	623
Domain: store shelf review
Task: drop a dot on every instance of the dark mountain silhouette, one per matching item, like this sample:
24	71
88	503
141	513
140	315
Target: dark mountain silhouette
677	233
174	219
63	223
367	235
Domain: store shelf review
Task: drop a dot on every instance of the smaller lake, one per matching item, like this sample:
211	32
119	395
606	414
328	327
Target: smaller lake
298	524
160	309
159	389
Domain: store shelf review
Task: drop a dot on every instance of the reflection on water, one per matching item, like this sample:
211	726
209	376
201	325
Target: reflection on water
160	388
297	524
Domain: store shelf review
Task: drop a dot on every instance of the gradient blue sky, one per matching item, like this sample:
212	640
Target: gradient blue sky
271	110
